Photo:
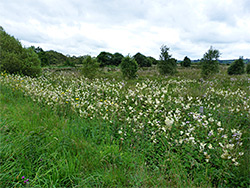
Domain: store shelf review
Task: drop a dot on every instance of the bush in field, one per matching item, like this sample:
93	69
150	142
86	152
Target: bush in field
105	58
69	63
129	67
209	62
90	67
166	65
142	60
117	59
42	56
248	68
31	63
15	59
186	62
237	67
152	60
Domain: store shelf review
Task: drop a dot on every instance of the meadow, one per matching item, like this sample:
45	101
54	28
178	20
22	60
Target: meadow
64	130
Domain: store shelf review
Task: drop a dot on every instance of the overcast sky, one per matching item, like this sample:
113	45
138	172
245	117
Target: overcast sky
80	27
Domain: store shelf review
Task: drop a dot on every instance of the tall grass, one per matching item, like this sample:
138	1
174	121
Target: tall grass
55	149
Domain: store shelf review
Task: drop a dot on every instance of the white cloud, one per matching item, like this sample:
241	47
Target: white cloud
75	27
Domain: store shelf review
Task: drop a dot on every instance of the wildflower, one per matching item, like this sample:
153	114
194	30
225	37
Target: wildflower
210	133
201	109
220	130
236	164
26	181
241	153
224	136
210	146
168	122
77	98
23	177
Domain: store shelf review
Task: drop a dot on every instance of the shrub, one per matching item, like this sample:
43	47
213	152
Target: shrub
31	63
237	67
15	59
166	65
209	62
105	58
90	67
142	60
186	62
248	68
117	59
129	67
69	63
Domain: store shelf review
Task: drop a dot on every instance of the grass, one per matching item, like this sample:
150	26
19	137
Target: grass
59	151
54	149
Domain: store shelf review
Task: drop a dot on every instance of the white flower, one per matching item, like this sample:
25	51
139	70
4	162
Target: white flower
202	146
230	146
241	153
210	146
169	122
236	164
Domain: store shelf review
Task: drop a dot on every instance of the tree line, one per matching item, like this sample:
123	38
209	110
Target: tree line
15	59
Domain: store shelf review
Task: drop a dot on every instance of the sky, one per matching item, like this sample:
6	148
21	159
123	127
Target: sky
88	27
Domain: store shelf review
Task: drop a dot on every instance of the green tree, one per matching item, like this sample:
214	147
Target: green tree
209	62
105	58
152	60
15	59
186	62
248	68
117	59
237	67
129	67
142	60
90	67
42	56
69	62
55	58
166	65
32	63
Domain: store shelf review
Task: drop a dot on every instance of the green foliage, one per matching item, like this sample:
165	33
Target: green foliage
70	63
55	58
152	60
42	56
117	59
248	68
237	67
90	67
210	63
167	65
129	67
15	59
186	62
31	63
142	60
105	58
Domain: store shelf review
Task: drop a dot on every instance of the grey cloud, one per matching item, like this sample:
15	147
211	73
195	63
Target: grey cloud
198	24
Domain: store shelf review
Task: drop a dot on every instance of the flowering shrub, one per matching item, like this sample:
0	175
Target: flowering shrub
162	113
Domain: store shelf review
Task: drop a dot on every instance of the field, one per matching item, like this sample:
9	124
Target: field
64	130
